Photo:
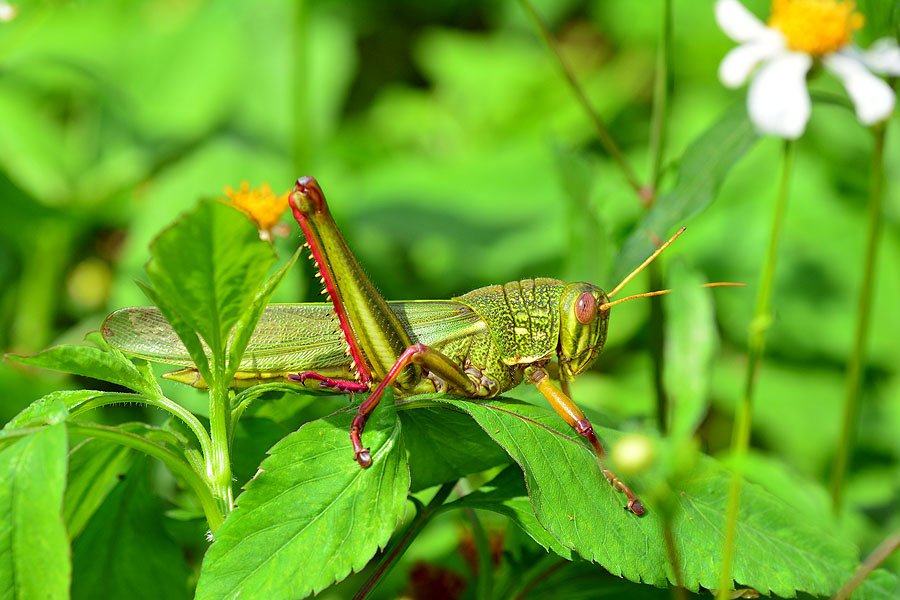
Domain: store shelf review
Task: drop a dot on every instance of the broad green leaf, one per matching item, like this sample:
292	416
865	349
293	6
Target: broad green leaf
702	170
89	361
443	446
95	468
124	552
311	515
206	270
49	409
34	549
574	502
691	340
505	494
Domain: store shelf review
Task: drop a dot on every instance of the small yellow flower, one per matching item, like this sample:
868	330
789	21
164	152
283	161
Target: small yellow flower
780	53
260	204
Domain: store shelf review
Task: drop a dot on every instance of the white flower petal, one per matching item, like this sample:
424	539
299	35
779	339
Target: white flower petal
778	100
740	62
872	97
883	57
738	23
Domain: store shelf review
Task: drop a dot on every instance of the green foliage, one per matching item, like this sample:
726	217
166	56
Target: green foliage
455	157
34	549
125	550
310	516
572	502
204	272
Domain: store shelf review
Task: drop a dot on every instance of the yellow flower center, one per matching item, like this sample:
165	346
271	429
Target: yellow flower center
816	27
261	204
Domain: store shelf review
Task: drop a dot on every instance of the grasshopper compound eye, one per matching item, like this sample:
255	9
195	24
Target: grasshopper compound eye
585	308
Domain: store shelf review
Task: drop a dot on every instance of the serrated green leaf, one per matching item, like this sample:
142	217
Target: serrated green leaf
206	270
690	343
505	494
89	361
95	468
574	502
443	446
34	549
124	552
311	515
703	168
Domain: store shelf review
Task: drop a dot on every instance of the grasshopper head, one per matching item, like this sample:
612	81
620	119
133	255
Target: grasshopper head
582	331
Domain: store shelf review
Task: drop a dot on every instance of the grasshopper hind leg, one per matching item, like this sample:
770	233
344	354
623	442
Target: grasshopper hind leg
427	358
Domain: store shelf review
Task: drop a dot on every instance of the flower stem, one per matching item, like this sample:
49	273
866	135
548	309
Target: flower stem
600	128
648	196
863	317
218	461
392	554
762	319
661	86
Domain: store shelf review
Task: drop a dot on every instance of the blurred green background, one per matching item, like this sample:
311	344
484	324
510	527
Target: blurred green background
454	156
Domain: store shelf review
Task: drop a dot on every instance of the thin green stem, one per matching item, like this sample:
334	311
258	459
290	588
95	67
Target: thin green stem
656	343
863	317
179	468
658	130
661	86
392	554
600	127
173	408
218	461
878	556
762	319
485	558
678	591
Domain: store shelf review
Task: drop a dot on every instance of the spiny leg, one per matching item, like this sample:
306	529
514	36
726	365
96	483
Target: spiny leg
420	354
374	335
571	414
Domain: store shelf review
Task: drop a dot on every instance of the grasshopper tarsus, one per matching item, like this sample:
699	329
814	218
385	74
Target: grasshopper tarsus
364	458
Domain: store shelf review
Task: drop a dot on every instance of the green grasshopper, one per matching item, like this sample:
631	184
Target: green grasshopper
477	345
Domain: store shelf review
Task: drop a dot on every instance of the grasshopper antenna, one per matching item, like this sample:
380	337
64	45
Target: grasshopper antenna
649	260
630	276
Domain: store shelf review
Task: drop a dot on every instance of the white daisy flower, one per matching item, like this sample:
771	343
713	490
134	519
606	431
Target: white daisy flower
799	33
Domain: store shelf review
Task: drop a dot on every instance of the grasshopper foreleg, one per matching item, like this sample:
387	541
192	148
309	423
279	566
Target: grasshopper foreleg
571	414
339	385
427	358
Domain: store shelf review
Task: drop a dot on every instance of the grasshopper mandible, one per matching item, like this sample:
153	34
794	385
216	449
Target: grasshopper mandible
477	345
